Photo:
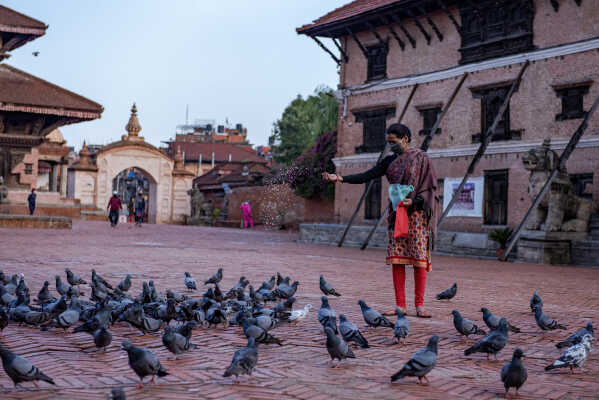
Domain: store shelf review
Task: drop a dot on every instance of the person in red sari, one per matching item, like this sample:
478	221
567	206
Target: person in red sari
406	166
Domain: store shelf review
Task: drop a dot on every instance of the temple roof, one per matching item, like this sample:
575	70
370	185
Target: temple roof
16	29
22	92
221	152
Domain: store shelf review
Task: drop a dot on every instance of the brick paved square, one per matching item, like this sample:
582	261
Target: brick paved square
299	369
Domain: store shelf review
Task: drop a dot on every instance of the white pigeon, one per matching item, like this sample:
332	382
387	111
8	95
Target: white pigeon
574	356
297	315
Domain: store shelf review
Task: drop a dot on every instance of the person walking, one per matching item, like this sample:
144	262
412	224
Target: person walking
406	166
31	201
131	210
114	205
140	208
246	209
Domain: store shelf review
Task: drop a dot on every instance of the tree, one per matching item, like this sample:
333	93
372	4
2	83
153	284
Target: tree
301	123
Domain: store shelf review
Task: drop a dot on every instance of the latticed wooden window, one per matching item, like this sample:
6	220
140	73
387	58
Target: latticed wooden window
28	169
374	127
572	102
429	117
496	189
491	100
377	62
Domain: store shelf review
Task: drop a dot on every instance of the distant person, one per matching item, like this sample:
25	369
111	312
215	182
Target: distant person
140	208
114	205
246	209
31	201
131	209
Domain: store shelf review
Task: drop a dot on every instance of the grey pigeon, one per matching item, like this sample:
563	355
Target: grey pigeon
244	360
5	297
465	326
11	286
74	279
190	282
125	284
283	309
285	291
216	278
351	333
421	363
448	294
268	285
117	393
66	319
574	356
493	343
492	321
326	288
261	336
545	322
514	374
576	337
535	301
98	280
19	369
401	329
44	295
265	322
373	318
175	342
3	319
327	316
337	348
61	287
186	329
102	338
143	362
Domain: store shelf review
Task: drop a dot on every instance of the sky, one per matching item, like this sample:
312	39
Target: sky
235	59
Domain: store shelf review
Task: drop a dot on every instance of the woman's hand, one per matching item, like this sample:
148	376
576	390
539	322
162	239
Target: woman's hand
331	177
407	202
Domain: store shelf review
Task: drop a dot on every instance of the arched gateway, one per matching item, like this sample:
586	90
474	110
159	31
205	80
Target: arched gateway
131	164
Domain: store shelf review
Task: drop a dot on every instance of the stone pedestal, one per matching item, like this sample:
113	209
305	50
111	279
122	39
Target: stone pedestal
541	247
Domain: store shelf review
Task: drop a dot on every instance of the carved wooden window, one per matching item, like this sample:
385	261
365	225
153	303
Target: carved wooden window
429	117
491	100
582	184
496	187
495	28
28	169
572	102
372	207
377	62
374	129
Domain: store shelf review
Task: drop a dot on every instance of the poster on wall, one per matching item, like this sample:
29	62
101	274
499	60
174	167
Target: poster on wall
470	202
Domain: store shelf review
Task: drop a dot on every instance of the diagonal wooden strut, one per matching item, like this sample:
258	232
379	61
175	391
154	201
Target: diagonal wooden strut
369	184
322	46
484	142
560	164
340	48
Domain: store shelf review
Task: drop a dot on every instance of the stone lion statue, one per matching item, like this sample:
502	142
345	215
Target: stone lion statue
561	210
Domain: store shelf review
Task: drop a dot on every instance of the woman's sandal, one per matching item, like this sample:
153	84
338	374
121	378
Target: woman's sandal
391	313
422	313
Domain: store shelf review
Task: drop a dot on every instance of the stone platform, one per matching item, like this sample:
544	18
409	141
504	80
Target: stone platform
34	222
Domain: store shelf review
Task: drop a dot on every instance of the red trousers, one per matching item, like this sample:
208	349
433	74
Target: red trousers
399	281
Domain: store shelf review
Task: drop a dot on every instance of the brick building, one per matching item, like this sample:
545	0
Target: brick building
386	47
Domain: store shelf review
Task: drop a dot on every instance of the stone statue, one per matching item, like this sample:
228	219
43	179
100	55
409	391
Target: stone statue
560	210
201	209
197	198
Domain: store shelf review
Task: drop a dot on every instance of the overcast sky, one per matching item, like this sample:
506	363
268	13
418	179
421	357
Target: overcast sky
235	59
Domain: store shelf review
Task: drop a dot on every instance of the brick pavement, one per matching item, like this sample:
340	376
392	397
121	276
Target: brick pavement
299	369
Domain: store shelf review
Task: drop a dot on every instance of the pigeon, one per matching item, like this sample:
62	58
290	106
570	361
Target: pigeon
19	369
268	285
327	316
5	297
258	333
448	294
244	360
401	329
337	348
117	393
545	322
298	315
574	356
98	280
535	301
421	363
174	341
285	291
263	321
216	278
465	326
74	279
3	319
186	329
190	282
102	338
143	362
514	374
576	337
283	309
326	288
373	318
215	315
493	343
44	295
351	333
61	288
492	321
66	319
125	284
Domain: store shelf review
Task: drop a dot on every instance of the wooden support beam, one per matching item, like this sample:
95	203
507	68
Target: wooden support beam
450	15
555	4
578	2
486	137
341	51
432	24
389	24
376	34
559	166
353	35
404	30
426	35
322	46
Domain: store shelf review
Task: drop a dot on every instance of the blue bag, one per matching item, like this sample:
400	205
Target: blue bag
398	193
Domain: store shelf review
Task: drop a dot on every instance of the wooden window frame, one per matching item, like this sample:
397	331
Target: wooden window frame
489	175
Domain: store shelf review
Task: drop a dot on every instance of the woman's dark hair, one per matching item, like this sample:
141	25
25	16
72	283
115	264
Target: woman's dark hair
400	131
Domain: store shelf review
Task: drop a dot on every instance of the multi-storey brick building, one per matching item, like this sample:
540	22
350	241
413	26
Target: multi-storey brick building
386	47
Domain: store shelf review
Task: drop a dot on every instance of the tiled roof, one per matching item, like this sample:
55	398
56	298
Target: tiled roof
221	152
11	19
231	173
20	91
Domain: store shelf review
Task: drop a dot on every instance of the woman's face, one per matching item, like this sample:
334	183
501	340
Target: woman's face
392	139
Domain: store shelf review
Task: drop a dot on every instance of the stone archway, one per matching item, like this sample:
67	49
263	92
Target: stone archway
132	180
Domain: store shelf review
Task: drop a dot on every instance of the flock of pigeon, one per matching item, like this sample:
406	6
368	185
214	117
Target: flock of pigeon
149	312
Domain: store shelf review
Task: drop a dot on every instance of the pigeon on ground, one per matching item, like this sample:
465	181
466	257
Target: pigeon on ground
285	291
337	348
11	286
327	316
401	329
261	336
493	342
574	356
19	369
244	360
373	318
465	326
284	309
44	295
125	284
61	288
535	301
576	337
216	278
102	338
174	341
117	393
492	321
190	282
268	285
66	319
3	319
74	279
98	280
143	362
545	322
298	315
421	363
326	288
351	333
514	374
5	297
448	293
186	329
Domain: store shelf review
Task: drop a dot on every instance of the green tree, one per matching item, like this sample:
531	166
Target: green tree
301	123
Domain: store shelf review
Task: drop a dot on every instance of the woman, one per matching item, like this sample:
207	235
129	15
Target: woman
406	166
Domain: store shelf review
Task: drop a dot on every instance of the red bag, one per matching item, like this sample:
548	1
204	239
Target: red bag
401	222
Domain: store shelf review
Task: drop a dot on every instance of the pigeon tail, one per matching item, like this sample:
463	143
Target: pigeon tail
561	345
470	350
43	377
398	375
162	371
